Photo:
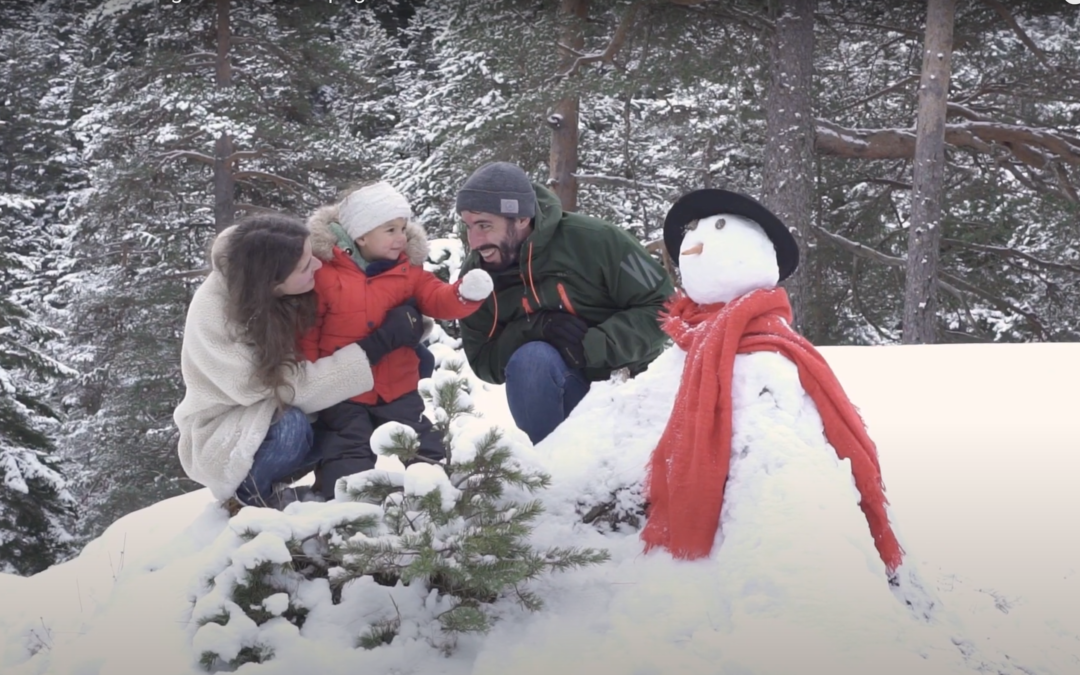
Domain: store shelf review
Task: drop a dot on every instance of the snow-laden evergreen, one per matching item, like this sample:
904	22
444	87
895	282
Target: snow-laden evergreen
36	509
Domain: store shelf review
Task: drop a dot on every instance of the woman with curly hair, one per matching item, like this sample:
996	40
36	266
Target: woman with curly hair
244	430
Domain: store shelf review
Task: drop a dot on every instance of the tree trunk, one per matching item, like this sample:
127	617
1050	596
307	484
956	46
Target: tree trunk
563	162
224	182
924	233
788	183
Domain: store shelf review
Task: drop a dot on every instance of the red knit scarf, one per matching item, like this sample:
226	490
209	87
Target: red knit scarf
689	467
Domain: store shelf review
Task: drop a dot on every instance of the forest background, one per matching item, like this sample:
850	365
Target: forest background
133	131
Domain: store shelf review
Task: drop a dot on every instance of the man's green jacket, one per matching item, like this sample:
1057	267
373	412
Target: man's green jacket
580	265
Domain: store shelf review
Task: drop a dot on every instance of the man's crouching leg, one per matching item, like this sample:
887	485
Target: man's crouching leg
541	389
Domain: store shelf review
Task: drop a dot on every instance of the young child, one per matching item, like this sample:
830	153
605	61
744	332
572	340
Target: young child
372	263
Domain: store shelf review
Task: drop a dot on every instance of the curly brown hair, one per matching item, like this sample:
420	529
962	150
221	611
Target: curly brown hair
260	252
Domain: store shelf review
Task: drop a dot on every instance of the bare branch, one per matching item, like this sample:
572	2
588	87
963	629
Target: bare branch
947	282
997	301
619	181
750	20
568	49
891	29
181	68
965	112
252	208
1067	187
266	44
1013	169
186	275
280	181
120	250
887	90
244	154
860	249
1007	252
189	138
887	182
1011	20
186	154
859	303
613	47
1048	140
1028	144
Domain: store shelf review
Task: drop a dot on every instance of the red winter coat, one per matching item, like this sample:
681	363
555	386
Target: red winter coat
351	306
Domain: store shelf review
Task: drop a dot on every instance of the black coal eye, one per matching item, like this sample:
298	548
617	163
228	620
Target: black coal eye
691	226
720	223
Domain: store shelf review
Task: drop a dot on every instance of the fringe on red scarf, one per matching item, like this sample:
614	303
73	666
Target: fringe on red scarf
689	467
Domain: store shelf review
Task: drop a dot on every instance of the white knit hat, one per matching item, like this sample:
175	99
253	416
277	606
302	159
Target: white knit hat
371	206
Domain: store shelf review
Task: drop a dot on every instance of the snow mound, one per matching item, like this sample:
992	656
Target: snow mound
792	585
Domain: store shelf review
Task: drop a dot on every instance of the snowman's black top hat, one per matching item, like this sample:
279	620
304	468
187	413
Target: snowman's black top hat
711	202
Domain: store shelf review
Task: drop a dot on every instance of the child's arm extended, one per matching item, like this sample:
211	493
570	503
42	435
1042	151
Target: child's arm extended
441	300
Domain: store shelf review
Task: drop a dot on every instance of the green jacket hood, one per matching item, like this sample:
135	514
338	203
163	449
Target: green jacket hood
549	213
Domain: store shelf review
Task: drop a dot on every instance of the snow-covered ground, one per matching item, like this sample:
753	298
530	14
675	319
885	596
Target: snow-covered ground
978	446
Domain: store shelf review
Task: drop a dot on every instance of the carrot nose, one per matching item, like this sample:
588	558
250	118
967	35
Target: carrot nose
694	250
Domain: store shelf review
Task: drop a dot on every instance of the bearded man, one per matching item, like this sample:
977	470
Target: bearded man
576	298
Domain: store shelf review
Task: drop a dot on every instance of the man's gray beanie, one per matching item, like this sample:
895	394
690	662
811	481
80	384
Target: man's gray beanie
500	188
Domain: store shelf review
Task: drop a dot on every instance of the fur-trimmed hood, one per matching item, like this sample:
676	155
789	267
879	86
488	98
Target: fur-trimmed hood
323	242
323	239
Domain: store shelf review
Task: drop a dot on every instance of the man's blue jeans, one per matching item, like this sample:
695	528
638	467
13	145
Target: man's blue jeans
285	455
541	389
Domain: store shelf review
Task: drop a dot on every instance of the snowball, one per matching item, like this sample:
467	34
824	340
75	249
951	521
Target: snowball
475	285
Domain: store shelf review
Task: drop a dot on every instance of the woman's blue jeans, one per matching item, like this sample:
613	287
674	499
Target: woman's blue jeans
286	454
541	389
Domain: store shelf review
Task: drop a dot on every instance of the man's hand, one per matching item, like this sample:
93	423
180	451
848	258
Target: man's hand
565	332
402	327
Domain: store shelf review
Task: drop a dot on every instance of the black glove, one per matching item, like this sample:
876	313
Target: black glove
402	327
565	332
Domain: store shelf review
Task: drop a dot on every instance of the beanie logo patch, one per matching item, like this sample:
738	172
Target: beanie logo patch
508	205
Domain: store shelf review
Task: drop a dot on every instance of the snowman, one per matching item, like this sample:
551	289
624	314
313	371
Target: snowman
771	549
763	447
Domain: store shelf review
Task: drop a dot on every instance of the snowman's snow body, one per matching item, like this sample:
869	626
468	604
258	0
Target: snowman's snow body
790	504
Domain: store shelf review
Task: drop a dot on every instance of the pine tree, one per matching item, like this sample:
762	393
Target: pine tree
458	532
35	507
460	529
37	170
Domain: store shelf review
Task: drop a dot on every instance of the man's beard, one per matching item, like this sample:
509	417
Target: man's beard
508	253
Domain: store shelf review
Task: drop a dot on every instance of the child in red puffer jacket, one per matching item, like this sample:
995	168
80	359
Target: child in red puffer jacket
372	271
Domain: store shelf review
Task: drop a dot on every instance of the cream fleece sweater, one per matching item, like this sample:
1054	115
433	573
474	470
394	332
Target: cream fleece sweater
225	413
